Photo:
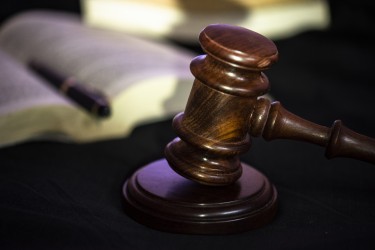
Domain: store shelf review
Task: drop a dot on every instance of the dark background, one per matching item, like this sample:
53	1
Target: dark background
67	196
11	7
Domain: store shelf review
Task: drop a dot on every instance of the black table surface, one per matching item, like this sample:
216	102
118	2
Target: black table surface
68	196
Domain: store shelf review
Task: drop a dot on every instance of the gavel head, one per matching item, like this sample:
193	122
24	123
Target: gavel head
213	130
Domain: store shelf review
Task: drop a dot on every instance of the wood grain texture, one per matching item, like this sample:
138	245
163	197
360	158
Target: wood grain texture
219	194
224	107
210	190
213	130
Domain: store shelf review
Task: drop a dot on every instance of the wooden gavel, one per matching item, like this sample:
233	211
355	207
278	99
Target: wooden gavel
224	110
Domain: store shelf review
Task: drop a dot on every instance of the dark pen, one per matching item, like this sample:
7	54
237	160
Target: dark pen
91	100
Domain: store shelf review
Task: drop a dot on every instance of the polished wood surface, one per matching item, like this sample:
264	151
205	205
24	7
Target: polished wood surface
219	194
224	107
210	190
160	198
272	121
213	129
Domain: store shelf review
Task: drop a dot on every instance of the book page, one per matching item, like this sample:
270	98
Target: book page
20	90
106	60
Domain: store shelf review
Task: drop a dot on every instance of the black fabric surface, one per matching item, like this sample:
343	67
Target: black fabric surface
68	196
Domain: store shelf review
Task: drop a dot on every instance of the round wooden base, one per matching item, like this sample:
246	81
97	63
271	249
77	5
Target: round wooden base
159	198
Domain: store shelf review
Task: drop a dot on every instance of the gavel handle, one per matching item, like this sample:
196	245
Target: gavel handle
272	121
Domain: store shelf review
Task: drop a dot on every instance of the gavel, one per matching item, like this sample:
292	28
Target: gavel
224	108
210	190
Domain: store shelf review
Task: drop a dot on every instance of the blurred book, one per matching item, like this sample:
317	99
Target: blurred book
144	81
182	20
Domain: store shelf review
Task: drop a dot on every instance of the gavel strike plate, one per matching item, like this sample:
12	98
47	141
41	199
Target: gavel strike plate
159	198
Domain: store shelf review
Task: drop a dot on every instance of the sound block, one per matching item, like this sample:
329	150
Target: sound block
159	198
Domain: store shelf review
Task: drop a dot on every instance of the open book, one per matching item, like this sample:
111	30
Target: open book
181	20
144	81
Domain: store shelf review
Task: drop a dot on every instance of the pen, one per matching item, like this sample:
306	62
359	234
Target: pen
90	99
